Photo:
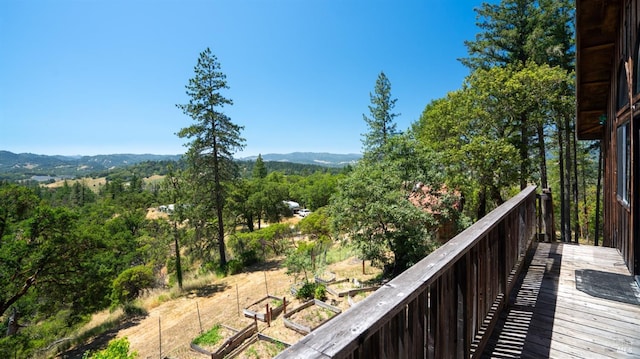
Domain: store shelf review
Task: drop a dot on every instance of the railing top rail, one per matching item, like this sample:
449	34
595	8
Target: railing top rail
342	334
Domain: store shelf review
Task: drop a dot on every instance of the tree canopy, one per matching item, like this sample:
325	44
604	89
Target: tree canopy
213	139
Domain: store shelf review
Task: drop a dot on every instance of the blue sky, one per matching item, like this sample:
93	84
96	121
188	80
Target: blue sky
86	77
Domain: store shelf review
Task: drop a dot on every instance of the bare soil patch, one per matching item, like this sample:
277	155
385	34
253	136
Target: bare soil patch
170	326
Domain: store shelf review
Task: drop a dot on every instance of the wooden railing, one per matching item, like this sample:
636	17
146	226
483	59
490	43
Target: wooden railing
442	306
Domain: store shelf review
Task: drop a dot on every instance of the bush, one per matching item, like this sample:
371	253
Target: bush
320	292
211	337
249	257
234	266
117	349
311	290
132	310
130	284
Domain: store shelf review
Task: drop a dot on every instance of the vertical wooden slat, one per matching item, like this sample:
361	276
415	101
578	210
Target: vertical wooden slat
451	295
432	315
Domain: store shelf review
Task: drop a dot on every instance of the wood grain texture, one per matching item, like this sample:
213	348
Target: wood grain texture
440	307
551	318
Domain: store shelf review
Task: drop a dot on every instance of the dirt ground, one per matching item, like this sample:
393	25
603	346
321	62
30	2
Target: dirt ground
169	327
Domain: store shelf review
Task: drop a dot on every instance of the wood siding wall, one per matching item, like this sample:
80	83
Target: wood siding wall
618	219
442	306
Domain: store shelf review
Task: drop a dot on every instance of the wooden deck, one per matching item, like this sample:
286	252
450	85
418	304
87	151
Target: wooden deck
572	302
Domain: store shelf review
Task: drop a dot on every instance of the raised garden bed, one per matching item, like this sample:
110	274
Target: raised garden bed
220	350
325	278
259	309
341	288
310	316
356	295
259	346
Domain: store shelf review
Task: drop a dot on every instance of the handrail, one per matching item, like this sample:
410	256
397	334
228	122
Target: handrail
439	307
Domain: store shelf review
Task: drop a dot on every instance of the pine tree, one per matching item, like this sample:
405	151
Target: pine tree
381	124
259	169
214	138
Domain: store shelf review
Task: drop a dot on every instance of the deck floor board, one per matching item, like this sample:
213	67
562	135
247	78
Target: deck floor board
572	301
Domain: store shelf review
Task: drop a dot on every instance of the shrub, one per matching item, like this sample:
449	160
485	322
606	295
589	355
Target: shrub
211	337
249	257
234	266
130	283
117	349
306	291
320	292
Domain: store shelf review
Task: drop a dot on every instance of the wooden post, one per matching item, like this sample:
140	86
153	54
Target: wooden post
160	337
363	267
284	305
547	215
238	299
267	315
199	320
265	282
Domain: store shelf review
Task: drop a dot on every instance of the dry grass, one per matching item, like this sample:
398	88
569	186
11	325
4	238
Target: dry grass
211	300
93	183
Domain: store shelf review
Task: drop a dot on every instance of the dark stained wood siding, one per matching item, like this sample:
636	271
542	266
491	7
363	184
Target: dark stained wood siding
607	46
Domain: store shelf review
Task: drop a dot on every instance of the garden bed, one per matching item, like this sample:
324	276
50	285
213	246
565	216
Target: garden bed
233	339
355	296
258	310
310	316
259	346
325	278
342	287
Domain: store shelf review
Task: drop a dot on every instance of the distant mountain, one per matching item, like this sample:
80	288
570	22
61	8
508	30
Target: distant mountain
43	168
26	165
311	158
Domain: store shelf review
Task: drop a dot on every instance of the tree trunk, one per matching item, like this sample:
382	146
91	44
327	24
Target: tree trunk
567	176
13	326
585	211
177	247
576	197
542	153
482	203
524	152
563	214
598	188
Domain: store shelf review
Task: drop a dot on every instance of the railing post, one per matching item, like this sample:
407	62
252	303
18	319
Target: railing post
546	209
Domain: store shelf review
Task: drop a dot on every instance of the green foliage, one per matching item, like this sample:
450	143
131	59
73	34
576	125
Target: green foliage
116	349
516	31
310	290
320	292
299	260
381	125
259	169
234	266
130	284
210	337
213	140
372	209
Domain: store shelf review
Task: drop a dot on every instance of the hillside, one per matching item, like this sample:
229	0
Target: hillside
312	158
45	168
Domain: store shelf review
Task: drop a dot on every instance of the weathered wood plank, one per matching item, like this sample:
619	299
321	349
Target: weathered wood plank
382	315
552	318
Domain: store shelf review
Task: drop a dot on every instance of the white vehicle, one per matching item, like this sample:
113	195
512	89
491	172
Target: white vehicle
304	212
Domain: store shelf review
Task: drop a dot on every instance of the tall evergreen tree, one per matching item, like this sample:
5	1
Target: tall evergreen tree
214	138
381	125
519	32
259	169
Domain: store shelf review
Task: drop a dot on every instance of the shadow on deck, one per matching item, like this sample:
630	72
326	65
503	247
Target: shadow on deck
571	302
